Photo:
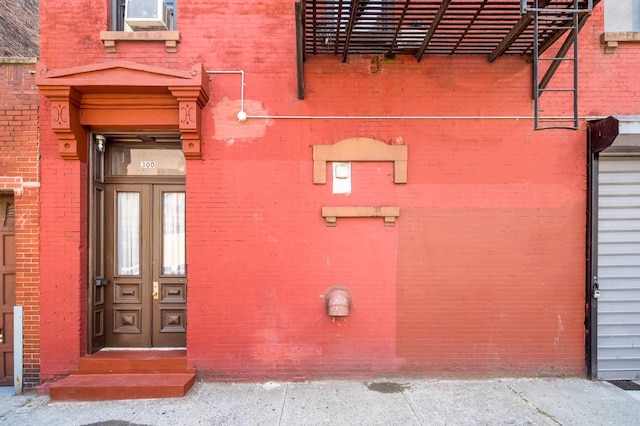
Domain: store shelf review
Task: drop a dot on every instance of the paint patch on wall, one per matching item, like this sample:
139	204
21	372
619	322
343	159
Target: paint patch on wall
484	284
227	126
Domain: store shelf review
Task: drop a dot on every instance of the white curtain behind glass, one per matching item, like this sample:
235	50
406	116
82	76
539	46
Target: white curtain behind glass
173	233
128	233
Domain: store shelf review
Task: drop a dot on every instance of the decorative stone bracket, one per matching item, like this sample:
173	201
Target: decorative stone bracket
359	149
170	38
123	95
331	214
611	40
65	121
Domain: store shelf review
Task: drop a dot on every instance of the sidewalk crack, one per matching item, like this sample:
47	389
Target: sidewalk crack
284	401
538	410
415	414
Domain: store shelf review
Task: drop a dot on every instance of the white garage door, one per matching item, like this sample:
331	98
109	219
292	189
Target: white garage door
618	268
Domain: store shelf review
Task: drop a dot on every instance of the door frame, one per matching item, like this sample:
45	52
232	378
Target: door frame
591	306
97	159
7	308
600	136
616	135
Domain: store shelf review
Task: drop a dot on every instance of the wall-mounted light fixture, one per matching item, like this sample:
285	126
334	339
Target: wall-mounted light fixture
100	143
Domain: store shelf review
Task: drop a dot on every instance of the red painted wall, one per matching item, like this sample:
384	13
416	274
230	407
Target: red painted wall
19	175
64	258
483	273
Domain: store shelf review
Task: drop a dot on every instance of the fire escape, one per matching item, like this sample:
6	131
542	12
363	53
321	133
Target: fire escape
531	29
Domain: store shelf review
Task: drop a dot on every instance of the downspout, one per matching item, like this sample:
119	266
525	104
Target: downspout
600	135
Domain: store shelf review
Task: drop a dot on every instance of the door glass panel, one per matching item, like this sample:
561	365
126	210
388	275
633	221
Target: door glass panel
132	161
173	232
128	233
98	233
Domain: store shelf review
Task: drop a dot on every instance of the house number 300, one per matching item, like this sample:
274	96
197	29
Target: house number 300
147	164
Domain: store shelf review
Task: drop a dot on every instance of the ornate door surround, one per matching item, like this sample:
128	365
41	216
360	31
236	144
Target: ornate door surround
123	95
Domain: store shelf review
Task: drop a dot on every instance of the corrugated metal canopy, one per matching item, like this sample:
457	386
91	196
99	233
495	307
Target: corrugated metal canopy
422	28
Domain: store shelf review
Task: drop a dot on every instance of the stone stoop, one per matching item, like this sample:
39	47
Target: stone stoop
111	375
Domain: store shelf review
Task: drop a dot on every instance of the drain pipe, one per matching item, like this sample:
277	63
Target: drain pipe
242	116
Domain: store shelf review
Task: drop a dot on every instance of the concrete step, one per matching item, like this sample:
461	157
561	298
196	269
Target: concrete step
97	387
126	374
128	362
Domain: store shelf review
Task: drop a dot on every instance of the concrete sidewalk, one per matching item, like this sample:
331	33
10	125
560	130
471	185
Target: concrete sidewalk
381	402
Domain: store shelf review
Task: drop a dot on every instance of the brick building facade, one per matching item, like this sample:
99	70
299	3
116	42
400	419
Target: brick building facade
19	185
466	255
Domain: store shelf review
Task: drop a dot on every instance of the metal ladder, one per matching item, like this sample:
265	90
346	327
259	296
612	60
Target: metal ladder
549	18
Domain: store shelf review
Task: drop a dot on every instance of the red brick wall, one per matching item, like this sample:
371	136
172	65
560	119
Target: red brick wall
483	273
64	257
19	174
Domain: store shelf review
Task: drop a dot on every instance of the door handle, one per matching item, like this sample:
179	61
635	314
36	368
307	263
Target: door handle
154	293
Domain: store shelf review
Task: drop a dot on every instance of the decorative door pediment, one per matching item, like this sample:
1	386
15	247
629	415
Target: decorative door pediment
123	95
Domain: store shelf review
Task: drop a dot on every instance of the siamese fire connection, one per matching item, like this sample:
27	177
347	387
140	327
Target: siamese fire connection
337	301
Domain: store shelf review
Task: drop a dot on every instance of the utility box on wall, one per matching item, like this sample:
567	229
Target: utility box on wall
341	178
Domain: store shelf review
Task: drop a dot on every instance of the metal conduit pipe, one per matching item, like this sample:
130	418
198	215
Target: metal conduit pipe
410	117
243	116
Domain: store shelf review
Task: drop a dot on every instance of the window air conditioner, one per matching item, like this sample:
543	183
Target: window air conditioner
147	15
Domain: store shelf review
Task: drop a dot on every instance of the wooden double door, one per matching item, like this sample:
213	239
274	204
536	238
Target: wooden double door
139	291
145	284
137	245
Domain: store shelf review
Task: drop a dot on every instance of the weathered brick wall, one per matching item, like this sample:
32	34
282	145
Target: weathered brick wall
483	273
64	257
19	174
